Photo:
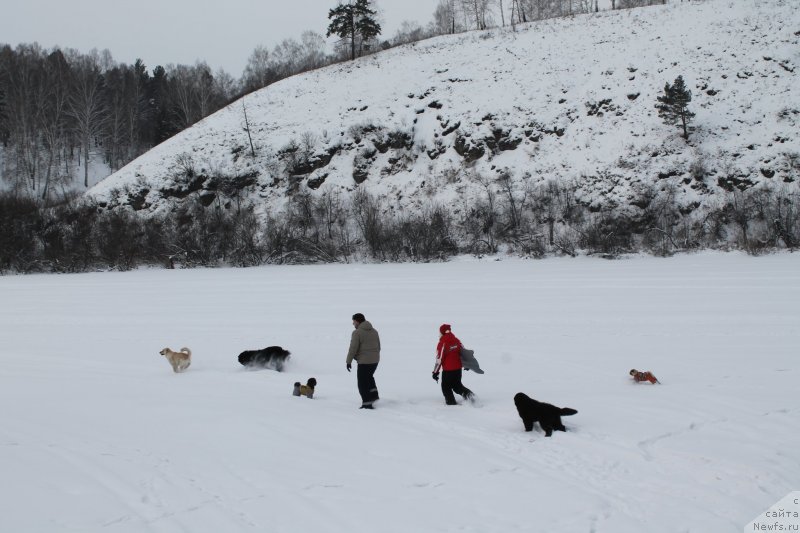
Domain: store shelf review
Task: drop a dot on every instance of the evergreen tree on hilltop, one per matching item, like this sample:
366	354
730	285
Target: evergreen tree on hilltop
353	20
673	106
158	97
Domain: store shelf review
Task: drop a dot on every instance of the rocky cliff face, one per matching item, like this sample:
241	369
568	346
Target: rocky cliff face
457	120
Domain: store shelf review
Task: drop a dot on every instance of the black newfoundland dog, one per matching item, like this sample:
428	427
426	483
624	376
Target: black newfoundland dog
548	416
272	357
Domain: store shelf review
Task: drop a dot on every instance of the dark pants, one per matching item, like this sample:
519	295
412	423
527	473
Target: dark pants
366	383
451	382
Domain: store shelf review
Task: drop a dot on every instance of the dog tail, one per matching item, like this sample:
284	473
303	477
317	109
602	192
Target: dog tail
186	351
566	411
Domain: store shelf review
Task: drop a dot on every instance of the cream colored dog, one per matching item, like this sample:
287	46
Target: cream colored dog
180	361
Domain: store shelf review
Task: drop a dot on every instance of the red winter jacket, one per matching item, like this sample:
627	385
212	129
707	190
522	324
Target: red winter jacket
638	377
448	353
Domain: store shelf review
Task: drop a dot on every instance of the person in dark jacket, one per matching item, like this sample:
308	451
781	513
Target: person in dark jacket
448	362
365	348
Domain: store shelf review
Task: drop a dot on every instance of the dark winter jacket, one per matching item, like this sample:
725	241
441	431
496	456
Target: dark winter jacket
365	345
469	362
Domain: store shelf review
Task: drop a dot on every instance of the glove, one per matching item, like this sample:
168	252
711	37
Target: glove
435	376
349	366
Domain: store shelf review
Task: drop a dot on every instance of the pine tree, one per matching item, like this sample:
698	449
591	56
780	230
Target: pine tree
355	19
673	106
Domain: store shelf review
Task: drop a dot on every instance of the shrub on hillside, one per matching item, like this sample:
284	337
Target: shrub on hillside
20	222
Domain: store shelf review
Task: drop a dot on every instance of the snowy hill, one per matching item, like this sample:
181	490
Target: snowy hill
566	99
98	434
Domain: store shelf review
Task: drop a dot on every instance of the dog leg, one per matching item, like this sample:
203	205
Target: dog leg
528	424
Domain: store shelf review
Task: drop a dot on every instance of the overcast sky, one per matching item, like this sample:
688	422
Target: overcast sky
221	32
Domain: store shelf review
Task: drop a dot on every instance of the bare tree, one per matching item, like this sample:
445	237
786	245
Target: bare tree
258	72
52	119
524	10
515	203
308	143
479	12
741	211
663	217
409	32
330	209
286	58
247	129
225	86
514	14
554	203
445	17
628	4
203	82
481	217
368	214
289	57
86	106
313	50
21	75
182	93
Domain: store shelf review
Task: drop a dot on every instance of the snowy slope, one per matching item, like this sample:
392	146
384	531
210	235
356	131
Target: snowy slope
571	99
98	434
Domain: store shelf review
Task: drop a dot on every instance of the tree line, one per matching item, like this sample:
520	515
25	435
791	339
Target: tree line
61	110
531	220
455	16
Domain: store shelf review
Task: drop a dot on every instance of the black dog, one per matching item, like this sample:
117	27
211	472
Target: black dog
548	416
270	357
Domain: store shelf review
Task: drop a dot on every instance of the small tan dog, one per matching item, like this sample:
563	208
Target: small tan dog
180	361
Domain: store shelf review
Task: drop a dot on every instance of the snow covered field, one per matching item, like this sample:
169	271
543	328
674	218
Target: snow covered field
98	434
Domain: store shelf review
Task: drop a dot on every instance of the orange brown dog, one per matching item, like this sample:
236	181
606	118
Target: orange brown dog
639	377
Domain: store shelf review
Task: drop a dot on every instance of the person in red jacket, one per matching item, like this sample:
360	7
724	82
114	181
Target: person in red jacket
448	361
